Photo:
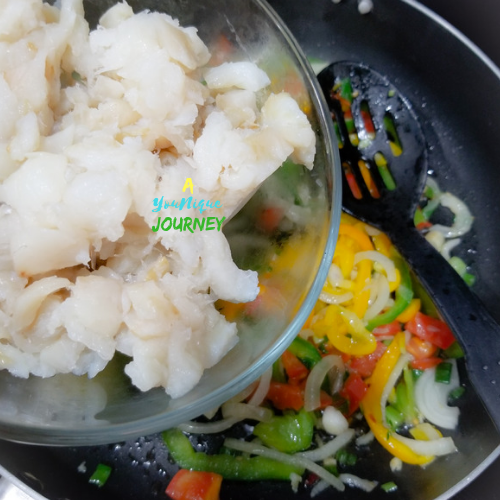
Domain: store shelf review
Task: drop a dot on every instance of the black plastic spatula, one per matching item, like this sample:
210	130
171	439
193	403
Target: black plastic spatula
384	160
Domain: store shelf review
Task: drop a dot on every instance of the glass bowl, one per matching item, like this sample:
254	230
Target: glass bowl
71	410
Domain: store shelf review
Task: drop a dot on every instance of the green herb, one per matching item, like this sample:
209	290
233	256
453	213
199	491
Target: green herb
77	77
389	487
455	394
100	475
443	373
345	458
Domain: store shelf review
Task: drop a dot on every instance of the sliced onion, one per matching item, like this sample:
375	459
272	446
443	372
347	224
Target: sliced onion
370	230
431	398
294	460
262	388
330	298
449	246
329	449
208	427
333	421
436	239
391	381
336	278
245	393
365	439
295	481
396	464
335	275
211	413
385	262
434	447
316	378
243	411
382	294
362	484
463	218
319	487
306	333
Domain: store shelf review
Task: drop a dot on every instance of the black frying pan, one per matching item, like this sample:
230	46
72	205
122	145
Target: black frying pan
455	94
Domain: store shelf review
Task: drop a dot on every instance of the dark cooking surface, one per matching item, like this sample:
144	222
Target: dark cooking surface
479	21
463	14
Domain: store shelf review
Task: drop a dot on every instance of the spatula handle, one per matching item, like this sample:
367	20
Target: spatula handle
474	328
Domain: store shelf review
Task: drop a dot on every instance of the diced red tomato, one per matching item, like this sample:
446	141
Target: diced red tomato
364	365
425	363
291	397
269	219
295	370
354	391
387	330
420	349
194	485
433	330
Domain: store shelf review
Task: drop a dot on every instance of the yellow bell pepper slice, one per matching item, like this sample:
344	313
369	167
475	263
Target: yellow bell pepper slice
372	408
347	332
344	258
410	311
356	234
382	244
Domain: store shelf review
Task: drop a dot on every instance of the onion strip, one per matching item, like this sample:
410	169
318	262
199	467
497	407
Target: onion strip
319	487
244	411
295	460
208	427
362	484
330	298
431	398
316	378
379	258
330	448
434	447
449	246
365	439
463	218
382	294
262	388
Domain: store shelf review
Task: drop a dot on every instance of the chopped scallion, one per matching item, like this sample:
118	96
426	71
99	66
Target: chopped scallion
100	475
456	394
389	487
345	457
443	373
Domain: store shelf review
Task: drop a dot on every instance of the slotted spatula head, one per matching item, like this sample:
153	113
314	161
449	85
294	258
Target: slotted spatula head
382	146
383	155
